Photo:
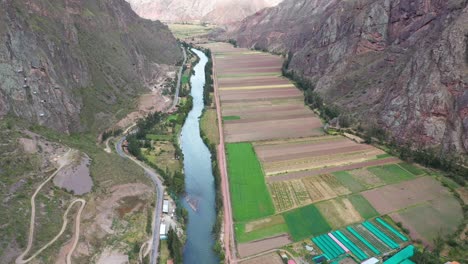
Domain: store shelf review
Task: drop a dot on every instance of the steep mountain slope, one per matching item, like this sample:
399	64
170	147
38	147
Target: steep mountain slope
401	64
212	11
71	65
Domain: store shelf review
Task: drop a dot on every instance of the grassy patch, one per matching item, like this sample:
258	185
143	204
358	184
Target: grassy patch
348	180
259	229
391	173
158	137
412	168
365	209
209	126
383	156
185	79
164	252
250	197
227	118
306	221
172	117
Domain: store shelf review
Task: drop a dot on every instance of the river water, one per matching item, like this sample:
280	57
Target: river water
199	180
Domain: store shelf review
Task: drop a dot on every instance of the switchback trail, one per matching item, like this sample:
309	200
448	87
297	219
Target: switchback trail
20	259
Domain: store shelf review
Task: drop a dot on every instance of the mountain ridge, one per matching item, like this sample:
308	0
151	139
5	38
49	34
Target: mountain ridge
208	11
72	65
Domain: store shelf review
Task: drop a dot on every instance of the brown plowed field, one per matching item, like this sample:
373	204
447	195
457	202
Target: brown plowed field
249	81
322	161
279	118
264	130
272	258
273	153
302	174
255	247
260	94
398	196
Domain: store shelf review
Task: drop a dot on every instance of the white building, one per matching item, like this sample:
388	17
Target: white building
162	231
166	207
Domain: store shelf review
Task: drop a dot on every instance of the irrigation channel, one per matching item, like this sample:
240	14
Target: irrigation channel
199	180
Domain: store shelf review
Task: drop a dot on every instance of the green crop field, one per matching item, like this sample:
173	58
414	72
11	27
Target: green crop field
411	168
391	173
348	180
306	221
363	206
227	118
184	31
271	226
249	193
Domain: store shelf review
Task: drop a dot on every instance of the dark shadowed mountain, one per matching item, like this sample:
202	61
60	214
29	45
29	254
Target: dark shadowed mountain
71	65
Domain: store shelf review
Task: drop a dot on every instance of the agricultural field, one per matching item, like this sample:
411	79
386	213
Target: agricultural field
268	106
290	181
395	197
272	258
427	221
305	222
184	31
339	212
290	194
363	206
259	229
249	194
300	156
161	154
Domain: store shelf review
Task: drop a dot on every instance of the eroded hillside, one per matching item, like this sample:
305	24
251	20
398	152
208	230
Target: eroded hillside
400	64
72	65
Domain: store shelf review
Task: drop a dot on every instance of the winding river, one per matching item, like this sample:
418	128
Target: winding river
199	180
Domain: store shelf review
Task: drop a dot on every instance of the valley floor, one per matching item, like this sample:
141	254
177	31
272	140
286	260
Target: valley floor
290	183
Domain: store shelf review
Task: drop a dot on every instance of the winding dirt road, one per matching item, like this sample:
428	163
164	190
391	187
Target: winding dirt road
20	259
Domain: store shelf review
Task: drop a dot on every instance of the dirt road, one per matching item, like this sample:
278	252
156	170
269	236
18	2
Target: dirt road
157	180
20	259
229	244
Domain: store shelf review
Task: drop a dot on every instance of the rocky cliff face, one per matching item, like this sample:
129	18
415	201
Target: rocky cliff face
70	65
402	64
212	11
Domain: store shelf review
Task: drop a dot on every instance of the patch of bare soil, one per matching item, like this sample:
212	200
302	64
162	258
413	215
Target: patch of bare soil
99	214
258	246
112	256
154	101
272	258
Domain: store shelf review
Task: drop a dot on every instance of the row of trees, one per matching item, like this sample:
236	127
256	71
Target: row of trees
311	98
175	246
208	88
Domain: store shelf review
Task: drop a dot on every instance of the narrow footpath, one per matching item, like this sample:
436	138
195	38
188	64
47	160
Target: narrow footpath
229	242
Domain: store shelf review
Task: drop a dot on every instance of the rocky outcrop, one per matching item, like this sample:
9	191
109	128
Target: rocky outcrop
401	64
212	11
71	65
